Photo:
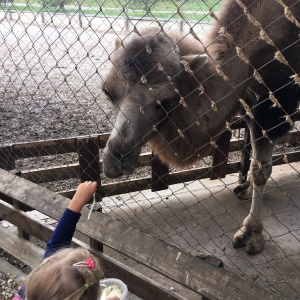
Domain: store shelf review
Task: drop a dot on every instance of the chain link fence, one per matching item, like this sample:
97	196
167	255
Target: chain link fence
56	119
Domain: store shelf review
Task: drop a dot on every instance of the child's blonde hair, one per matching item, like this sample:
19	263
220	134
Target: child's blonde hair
58	279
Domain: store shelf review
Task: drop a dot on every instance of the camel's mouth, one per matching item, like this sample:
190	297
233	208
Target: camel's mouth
118	165
118	170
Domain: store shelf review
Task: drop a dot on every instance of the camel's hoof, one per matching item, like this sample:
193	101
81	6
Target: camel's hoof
239	189
240	238
245	195
255	243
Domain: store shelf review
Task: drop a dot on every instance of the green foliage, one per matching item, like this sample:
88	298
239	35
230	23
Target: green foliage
190	9
56	3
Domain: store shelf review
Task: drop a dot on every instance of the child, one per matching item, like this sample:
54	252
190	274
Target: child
66	273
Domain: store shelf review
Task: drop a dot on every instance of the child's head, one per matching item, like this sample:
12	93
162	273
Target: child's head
65	276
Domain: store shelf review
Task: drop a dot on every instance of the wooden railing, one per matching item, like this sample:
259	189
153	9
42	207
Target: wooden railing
153	261
89	164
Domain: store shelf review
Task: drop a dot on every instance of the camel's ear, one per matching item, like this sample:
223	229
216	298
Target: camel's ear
118	43
195	61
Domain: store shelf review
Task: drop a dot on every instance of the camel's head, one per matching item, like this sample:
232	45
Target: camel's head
142	85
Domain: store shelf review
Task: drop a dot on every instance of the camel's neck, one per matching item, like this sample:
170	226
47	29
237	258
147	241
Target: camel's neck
194	125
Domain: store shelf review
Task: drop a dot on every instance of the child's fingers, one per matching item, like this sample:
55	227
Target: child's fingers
92	184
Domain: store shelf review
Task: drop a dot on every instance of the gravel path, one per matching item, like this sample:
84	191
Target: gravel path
12	274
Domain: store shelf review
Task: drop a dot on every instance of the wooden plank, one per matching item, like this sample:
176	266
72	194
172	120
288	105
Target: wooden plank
280	159
220	156
7	158
89	165
44	148
42	175
68	145
148	289
65	172
21	249
128	186
159	174
182	267
89	162
22	233
124	187
50	147
24	221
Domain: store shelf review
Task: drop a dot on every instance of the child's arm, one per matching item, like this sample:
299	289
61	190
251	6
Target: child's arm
82	196
64	231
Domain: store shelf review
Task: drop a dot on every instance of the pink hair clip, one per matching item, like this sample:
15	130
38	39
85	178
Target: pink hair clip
90	263
87	263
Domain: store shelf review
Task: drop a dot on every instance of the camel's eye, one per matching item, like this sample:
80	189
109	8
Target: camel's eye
105	90
107	93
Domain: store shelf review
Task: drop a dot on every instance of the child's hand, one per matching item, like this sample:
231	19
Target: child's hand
82	196
113	298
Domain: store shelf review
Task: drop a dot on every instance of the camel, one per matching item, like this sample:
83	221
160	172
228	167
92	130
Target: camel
179	93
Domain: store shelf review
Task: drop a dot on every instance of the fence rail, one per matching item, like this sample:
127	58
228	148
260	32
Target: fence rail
90	165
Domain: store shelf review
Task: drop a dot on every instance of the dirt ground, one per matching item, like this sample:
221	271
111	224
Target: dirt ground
51	82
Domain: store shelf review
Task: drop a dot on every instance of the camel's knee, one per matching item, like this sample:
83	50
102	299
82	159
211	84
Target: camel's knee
261	172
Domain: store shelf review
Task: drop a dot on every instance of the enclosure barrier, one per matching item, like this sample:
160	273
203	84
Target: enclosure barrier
89	165
189	271
56	56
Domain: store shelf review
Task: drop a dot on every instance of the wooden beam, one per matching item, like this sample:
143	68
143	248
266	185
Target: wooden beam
220	156
55	173
159	174
69	145
21	249
7	158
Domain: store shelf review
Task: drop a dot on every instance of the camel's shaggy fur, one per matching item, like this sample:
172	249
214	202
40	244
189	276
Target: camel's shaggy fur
179	93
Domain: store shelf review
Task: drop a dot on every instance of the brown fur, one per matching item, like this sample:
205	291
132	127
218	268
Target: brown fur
182	150
167	94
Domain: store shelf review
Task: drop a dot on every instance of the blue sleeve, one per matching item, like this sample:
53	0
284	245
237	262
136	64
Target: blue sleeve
63	233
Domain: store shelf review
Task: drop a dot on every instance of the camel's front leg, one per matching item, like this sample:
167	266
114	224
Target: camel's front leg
250	235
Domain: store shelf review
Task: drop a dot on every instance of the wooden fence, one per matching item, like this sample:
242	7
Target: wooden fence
19	195
89	164
193	278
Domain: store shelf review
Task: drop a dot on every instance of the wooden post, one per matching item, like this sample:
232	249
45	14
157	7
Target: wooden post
159	174
245	157
89	162
89	165
7	158
17	205
220	156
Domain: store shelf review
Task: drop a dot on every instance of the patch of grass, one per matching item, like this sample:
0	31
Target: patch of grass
189	10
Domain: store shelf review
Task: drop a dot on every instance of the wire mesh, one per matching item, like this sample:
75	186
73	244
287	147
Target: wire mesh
55	57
